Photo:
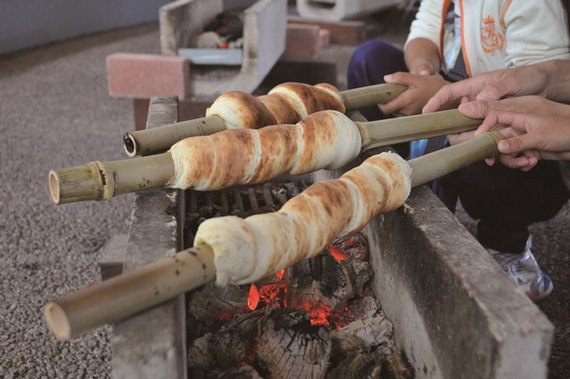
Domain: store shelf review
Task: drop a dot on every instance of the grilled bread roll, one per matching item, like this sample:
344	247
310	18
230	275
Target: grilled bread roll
324	140
246	250
287	103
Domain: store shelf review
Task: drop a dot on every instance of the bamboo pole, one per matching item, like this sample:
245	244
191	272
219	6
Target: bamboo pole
442	162
403	129
357	98
158	140
124	295
103	180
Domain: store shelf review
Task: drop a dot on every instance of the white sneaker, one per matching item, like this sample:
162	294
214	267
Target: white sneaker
524	271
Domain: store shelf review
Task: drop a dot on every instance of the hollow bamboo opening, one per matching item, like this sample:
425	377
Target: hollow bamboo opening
57	321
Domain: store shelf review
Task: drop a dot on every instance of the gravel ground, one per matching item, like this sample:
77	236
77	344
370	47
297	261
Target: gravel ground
56	112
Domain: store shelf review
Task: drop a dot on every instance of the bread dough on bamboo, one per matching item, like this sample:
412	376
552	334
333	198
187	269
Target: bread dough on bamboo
247	250
324	140
287	103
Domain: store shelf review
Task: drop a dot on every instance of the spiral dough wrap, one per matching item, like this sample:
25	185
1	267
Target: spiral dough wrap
246	250
324	140
287	103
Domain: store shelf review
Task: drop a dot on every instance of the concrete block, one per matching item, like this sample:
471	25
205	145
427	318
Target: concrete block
302	41
147	75
446	294
263	41
336	10
350	33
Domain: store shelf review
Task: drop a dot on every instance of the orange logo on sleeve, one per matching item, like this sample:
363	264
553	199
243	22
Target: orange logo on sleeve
492	39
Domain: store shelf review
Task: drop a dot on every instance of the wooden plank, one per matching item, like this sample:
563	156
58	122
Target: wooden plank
152	344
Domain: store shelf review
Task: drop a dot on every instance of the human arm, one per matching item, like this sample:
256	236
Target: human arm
421	54
422	57
549	79
537	45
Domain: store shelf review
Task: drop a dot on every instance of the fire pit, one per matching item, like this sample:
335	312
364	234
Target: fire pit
454	313
315	319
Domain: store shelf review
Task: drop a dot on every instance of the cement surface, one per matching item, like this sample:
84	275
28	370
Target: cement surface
55	112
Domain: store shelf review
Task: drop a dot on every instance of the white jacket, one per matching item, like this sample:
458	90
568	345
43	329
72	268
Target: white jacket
498	34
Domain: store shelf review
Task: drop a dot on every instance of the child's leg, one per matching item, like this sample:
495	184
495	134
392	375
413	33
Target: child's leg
506	202
368	65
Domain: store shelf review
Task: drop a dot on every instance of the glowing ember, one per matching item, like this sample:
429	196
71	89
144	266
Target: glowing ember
337	253
253	298
318	313
273	292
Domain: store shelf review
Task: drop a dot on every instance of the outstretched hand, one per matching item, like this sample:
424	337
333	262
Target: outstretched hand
494	85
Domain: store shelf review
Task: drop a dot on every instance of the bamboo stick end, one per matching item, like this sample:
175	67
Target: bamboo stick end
80	183
130	145
57	321
54	186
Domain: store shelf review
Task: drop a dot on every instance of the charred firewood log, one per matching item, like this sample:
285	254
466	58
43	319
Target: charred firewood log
212	303
242	372
364	335
231	346
318	280
358	365
290	347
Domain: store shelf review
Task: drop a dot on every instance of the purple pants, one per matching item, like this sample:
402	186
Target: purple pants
504	201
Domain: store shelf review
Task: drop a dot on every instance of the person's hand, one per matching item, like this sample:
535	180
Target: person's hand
411	101
522	104
529	136
494	85
527	104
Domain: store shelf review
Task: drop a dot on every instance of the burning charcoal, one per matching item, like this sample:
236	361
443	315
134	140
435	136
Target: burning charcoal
218	303
354	247
397	366
199	352
290	347
318	281
363	308
234	343
242	372
364	335
360	273
358	366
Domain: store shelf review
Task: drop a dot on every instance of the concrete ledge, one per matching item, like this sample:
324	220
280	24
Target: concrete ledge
445	293
113	256
152	343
